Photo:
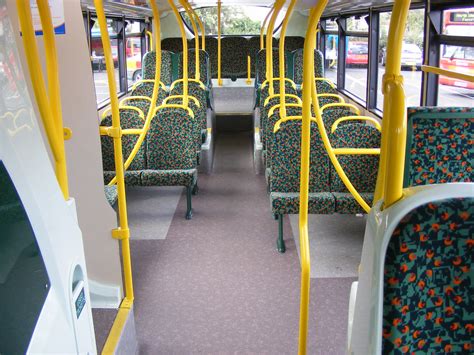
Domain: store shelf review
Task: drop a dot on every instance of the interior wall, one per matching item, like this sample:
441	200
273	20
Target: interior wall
84	158
170	28
296	26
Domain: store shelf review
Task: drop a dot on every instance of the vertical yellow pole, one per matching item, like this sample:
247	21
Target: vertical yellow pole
308	79
249	70
269	46
201	26
391	167
219	48
262	29
187	7
49	107
122	232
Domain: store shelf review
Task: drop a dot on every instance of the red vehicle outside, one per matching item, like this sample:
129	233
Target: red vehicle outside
357	53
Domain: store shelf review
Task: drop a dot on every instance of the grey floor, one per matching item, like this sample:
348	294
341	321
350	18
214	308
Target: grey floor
217	285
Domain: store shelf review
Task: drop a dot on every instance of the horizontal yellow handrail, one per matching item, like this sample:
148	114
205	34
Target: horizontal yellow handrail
201	84
161	107
449	73
137	83
109	131
274	107
290	96
356	118
277	125
325	80
192	98
356	151
131	98
264	84
336	96
108	110
340	105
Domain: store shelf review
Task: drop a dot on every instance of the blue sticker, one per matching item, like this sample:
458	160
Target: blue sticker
80	302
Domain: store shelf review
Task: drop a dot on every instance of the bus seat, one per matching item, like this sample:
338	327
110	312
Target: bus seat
204	66
298	66
293	43
211	49
360	169
111	194
166	66
261	64
234	57
172	44
440	145
171	152
331	114
268	122
428	283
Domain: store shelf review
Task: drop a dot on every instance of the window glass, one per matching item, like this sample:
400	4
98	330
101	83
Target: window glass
412	56
235	20
454	92
357	24
98	60
24	281
331	26
331	57
134	51
357	56
459	22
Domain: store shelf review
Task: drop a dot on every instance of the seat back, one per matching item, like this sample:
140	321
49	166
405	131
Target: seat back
234	57
172	44
293	43
285	158
268	122
166	66
261	65
428	280
204	67
440	145
129	119
211	49
298	66
170	141
331	114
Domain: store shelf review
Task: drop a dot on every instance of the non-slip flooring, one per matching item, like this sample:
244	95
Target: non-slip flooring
217	285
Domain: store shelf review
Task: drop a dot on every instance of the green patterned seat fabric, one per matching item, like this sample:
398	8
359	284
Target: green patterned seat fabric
323	87
203	66
327	100
360	169
173	44
265	92
267	124
128	119
429	282
234	57
166	66
211	48
298	66
201	95
185	177
330	115
261	65
131	177
285	160
111	194
289	203
440	145
146	89
171	141
293	43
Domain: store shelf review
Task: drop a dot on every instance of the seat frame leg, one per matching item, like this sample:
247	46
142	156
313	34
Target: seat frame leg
195	189
189	197
281	247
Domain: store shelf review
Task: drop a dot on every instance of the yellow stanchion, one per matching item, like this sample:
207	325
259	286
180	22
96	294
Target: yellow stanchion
249	71
219	46
262	29
269	45
201	26
187	8
49	103
390	175
308	79
150	40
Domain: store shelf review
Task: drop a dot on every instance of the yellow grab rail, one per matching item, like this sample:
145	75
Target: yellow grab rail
278	123
150	40
262	29
49	102
269	47
110	131
356	118
335	96
292	96
325	80
201	84
161	107
274	107
308	78
249	71
197	70
192	98
122	232
390	175
142	81
449	73
124	107
340	105
219	48
267	81
154	96
201	26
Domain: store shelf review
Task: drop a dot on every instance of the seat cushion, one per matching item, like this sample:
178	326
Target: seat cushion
185	178
347	204
289	203
132	177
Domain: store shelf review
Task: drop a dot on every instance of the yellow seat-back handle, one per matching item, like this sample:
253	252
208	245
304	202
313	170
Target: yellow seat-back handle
161	107
274	107
292	96
356	118
277	125
341	105
264	84
137	83
192	98
124	107
201	84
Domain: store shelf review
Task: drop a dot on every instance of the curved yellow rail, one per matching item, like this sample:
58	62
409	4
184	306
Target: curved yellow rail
150	40
201	84
278	123
274	107
124	107
192	98
308	78
335	96
292	96
262	29
340	105
197	70
175	106
390	177
49	107
142	81
267	81
356	118
269	46
325	80
201	26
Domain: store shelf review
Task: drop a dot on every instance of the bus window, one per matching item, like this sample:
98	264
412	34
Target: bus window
98	59
412	56
332	41
357	57
459	22
134	51
454	92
